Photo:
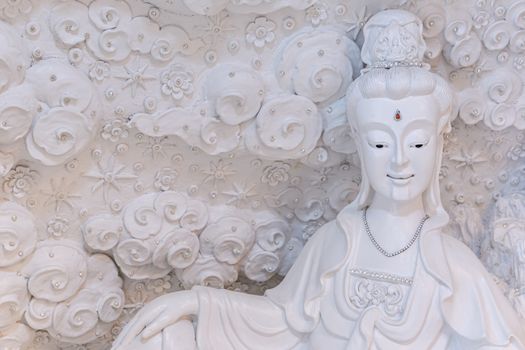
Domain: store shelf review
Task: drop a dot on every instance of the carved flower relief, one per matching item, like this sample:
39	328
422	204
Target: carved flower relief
317	14
99	71
481	19
115	130
13	8
19	181
260	32
57	227
389	297
318	65
516	152
276	173
165	179
159	285
177	82
7	160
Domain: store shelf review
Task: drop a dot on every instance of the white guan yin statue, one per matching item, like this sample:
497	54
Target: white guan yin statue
382	275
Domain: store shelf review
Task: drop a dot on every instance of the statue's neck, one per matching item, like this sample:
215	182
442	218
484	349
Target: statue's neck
401	209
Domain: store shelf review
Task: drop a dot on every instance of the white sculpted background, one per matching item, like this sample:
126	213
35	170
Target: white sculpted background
149	146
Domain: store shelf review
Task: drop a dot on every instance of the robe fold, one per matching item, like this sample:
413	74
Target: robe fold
453	303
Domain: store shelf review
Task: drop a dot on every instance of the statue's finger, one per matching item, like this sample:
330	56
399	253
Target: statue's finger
141	321
157	326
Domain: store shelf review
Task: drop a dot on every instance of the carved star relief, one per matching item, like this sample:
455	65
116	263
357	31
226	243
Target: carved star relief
357	22
108	177
135	78
241	194
216	28
60	194
218	172
468	159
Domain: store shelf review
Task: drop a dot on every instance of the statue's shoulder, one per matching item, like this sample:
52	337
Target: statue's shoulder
337	232
458	251
453	259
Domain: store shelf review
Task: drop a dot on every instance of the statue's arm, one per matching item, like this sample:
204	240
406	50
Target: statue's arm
225	320
157	315
232	320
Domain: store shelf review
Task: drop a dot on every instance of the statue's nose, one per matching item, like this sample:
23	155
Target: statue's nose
399	159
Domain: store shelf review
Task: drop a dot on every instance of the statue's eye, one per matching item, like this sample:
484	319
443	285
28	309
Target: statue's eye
419	144
377	145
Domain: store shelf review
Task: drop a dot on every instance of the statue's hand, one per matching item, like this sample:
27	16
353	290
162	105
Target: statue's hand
157	315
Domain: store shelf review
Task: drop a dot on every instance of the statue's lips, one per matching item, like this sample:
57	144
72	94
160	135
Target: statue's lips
400	179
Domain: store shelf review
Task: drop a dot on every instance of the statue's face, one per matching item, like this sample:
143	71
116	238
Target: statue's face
398	149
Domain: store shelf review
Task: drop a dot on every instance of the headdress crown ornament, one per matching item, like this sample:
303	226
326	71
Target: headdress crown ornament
393	38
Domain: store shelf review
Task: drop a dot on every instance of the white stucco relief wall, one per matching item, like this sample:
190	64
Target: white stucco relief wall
147	146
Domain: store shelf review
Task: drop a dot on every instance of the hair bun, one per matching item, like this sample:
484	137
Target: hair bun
393	38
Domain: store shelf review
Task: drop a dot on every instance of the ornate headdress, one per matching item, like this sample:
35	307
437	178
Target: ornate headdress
393	38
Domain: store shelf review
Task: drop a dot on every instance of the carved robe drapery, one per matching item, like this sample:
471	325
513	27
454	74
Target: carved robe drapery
452	304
